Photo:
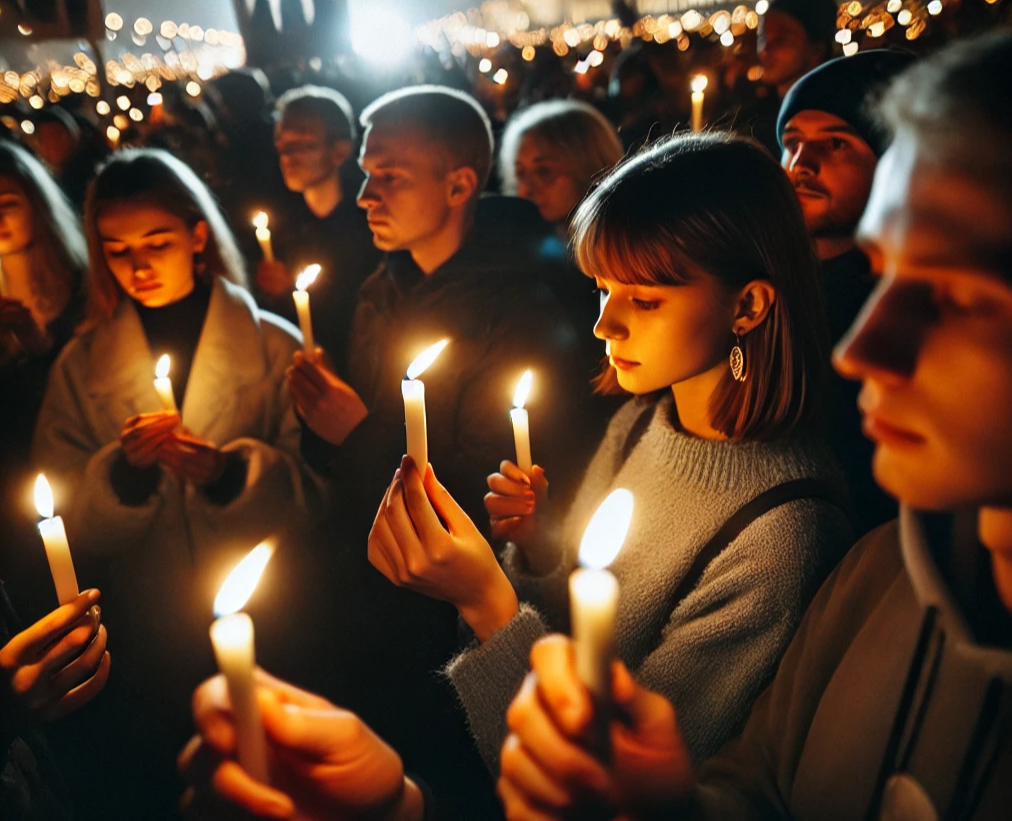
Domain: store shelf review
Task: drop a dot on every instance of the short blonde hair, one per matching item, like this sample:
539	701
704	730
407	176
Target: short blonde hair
580	130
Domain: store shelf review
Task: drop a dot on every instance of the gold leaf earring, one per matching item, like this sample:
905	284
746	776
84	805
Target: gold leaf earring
737	361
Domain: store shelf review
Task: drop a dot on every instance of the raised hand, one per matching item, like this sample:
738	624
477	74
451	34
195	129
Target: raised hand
327	403
411	547
192	459
143	436
273	278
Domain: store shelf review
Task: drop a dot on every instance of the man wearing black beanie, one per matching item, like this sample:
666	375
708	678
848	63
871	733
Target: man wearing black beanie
830	148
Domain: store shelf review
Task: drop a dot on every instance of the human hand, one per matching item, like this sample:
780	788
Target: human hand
192	459
143	436
411	547
55	666
512	501
327	403
546	770
16	318
273	278
325	762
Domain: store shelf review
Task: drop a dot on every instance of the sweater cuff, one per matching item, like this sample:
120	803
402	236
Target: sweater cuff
488	676
317	452
232	481
133	485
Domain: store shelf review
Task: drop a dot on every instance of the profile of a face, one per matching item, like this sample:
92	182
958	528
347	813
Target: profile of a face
544	176
16	229
933	346
150	251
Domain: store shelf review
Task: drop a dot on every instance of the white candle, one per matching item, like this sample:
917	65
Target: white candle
521	424
232	639
593	592
699	83
54	537
301	297
413	392
264	236
163	385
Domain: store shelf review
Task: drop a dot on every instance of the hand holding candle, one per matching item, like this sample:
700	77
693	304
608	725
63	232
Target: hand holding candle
232	638
264	235
54	537
163	385
521	425
301	297
699	83
413	391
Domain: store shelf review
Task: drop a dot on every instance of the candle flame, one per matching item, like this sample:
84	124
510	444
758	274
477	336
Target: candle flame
607	530
260	220
43	497
162	366
307	277
523	389
426	358
699	83
242	581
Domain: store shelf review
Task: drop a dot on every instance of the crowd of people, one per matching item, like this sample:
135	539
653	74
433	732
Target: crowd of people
794	349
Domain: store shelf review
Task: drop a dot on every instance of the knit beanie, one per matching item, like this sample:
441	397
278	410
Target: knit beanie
841	88
817	17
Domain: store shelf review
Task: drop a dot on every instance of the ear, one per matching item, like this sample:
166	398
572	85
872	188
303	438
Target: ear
462	186
200	234
755	302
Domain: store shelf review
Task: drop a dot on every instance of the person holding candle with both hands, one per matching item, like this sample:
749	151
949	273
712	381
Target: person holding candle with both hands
160	501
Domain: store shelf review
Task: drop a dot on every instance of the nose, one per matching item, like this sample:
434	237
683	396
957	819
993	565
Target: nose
886	338
804	162
609	325
525	190
367	197
140	264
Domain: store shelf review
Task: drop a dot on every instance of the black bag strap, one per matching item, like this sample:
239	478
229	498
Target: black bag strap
768	500
632	439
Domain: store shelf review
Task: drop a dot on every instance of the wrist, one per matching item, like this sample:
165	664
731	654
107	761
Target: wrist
493	611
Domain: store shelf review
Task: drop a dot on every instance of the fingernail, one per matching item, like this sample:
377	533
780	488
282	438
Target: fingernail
397	474
407	462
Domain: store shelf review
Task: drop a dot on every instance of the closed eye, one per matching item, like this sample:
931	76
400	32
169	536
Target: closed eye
647	304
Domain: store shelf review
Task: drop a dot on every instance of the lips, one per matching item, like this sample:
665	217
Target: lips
803	191
623	364
145	287
879	430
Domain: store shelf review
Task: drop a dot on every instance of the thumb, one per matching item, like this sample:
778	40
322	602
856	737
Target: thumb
309	732
446	506
650	714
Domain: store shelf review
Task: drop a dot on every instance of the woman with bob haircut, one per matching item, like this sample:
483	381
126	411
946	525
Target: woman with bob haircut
160	504
713	319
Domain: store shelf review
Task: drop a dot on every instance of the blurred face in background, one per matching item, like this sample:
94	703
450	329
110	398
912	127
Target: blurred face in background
306	154
16	229
545	176
785	51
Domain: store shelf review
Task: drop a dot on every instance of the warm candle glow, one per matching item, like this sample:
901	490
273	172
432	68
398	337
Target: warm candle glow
426	358
607	530
260	220
523	389
43	497
242	581
162	366
307	277
699	83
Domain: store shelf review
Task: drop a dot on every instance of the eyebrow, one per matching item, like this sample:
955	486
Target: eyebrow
827	131
153	232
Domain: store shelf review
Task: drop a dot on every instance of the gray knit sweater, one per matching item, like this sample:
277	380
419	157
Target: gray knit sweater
720	645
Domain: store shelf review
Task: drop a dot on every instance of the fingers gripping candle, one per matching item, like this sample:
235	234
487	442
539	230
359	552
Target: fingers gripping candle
301	297
521	424
163	385
264	236
54	537
593	592
232	638
413	391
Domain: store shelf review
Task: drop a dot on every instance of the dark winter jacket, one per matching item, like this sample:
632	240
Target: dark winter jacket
893	701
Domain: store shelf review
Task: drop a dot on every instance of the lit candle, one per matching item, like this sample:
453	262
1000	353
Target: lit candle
54	537
301	297
264	235
163	385
521	426
699	83
593	592
232	639
413	391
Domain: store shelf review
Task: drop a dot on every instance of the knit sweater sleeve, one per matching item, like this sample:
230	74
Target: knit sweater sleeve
723	641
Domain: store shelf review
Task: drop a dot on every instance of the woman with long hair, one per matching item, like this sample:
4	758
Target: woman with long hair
161	502
713	319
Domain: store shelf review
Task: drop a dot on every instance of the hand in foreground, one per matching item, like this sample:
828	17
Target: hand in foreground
273	279
512	503
546	771
55	666
411	547
16	318
326	764
143	436
192	459
328	404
